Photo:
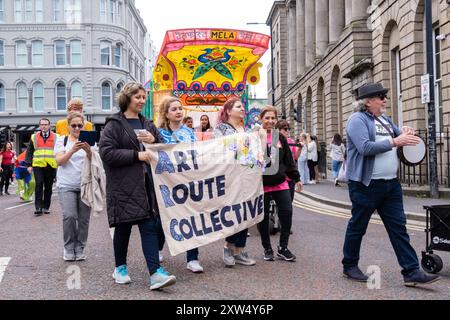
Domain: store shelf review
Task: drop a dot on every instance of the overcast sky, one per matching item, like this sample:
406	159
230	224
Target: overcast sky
160	16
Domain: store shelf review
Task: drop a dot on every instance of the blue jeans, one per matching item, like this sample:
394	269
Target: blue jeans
150	230
191	255
304	171
386	197
336	166
239	240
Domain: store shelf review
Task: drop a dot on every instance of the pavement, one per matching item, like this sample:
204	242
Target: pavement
327	193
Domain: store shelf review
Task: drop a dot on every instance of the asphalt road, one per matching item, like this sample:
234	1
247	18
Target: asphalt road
37	271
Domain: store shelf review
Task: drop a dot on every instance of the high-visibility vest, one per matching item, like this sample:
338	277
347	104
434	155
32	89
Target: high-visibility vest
44	153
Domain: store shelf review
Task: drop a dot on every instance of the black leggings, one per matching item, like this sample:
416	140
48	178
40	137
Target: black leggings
312	171
284	204
6	176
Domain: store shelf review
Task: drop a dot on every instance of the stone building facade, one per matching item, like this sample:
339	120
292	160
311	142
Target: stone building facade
323	50
54	50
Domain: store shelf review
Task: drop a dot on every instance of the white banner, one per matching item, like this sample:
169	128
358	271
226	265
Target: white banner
208	190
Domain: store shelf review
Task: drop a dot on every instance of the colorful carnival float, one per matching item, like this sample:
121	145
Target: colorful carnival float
206	67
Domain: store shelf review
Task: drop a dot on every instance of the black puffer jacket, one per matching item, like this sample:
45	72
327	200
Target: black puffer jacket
126	195
287	167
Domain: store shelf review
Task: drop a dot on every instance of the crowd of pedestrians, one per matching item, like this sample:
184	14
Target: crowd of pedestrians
130	196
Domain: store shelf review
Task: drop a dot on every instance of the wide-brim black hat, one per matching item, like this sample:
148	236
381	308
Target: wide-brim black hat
371	90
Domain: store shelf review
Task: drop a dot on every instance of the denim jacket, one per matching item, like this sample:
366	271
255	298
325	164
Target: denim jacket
362	147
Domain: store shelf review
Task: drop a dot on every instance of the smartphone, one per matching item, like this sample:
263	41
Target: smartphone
88	136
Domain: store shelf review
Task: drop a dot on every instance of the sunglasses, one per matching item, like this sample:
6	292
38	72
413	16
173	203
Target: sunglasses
382	96
79	126
286	128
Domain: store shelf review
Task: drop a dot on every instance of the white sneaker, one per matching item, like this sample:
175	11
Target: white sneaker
161	257
121	275
194	266
312	182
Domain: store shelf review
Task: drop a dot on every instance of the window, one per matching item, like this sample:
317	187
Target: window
39	8
135	33
37	49
22	97
2	53
21	54
118	55
60	52
130	63
2	11
106	96
57	10
72	11
119	13
18	11
119	87
438	81
112	11
38	97
61	97
103	11
105	53
2	98
77	90
75	52
28	10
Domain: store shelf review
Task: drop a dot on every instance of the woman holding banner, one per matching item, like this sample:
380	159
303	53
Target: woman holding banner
173	131
231	121
276	187
130	194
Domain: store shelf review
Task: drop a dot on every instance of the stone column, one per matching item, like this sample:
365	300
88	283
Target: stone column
322	27
359	9
310	32
292	45
337	19
348	12
300	37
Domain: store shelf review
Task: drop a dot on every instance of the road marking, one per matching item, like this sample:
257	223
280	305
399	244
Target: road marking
19	206
3	264
343	215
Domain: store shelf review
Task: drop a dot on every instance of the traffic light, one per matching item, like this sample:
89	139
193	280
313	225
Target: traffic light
298	114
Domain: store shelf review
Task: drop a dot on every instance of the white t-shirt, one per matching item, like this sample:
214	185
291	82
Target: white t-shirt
312	152
69	175
386	164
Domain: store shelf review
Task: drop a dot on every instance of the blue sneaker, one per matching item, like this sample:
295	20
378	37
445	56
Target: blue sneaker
161	279
163	271
121	275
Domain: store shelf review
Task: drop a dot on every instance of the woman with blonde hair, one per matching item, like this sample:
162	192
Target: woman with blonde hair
172	130
130	194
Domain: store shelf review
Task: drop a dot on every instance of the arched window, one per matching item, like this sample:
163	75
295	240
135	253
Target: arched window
38	96
2	98
106	96
22	97
61	97
77	90
75	52
60	52
105	53
21	54
118	55
37	49
119	87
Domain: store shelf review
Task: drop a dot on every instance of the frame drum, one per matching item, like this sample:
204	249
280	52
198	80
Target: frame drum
412	155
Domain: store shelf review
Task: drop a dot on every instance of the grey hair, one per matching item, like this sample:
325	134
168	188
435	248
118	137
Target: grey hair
360	105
